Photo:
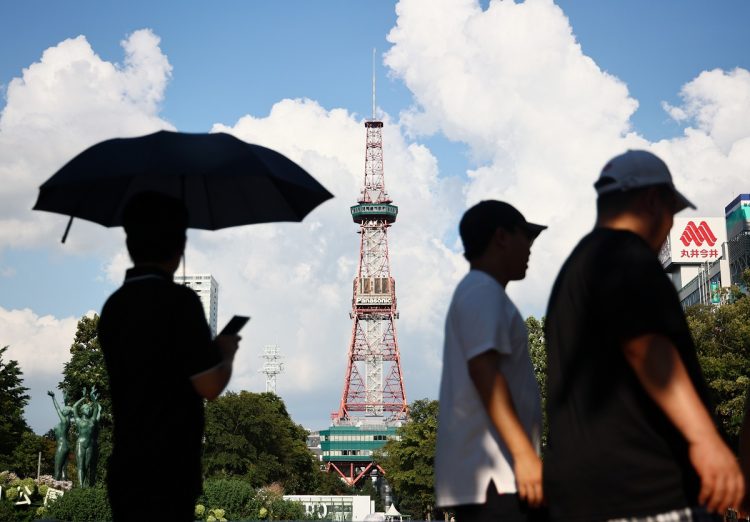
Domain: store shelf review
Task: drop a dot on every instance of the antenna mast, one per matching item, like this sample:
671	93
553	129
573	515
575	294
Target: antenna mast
373	83
272	366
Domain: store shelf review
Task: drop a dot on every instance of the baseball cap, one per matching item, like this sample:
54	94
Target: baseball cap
636	169
480	222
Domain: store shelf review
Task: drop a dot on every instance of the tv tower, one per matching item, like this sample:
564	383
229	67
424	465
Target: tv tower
373	385
272	366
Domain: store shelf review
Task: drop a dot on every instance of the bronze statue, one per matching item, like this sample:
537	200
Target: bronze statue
87	417
61	435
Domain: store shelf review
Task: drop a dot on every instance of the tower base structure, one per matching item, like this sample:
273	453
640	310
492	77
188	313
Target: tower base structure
349	450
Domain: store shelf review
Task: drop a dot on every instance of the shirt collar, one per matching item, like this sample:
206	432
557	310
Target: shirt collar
146	272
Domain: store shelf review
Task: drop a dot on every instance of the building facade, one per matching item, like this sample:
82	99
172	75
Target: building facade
335	507
737	215
703	256
208	290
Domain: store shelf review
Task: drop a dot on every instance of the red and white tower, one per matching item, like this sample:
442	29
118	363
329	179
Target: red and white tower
374	385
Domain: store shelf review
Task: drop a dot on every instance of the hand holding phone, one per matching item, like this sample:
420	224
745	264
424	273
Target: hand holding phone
234	325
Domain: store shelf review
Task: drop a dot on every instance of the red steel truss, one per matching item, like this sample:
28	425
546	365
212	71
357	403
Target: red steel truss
373	385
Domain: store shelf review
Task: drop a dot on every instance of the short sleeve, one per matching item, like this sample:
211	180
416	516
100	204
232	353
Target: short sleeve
481	321
196	351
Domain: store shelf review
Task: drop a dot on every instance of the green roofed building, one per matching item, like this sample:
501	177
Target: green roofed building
348	449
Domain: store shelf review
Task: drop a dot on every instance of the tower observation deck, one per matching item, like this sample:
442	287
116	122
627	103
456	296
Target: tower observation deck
373	401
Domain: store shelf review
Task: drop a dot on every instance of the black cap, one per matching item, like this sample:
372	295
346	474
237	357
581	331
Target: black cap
480	222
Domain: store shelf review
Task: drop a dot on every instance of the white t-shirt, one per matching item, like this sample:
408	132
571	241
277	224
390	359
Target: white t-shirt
470	451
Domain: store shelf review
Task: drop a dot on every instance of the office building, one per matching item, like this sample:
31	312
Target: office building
703	256
208	290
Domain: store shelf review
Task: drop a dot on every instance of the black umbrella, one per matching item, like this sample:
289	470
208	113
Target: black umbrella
223	181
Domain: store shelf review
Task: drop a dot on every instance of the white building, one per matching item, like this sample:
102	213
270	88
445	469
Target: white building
208	290
335	507
704	255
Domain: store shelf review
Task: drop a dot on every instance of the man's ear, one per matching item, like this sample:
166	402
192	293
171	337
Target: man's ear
500	237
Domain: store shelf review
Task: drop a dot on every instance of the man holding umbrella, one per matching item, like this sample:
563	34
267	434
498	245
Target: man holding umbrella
162	363
156	343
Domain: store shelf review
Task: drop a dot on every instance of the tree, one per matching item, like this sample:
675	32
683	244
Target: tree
409	460
13	400
25	457
722	339
251	435
86	369
538	353
331	484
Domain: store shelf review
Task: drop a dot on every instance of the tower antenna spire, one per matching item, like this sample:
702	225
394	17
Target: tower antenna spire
373	83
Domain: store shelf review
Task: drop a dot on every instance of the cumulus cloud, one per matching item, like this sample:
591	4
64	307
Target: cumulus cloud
712	157
541	118
718	103
41	346
65	102
296	279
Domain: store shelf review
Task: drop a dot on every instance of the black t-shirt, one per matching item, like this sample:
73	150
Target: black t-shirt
154	336
612	452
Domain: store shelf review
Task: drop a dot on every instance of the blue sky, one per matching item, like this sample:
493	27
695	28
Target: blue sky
235	59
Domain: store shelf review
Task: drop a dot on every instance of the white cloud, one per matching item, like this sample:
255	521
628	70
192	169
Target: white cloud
296	279
541	118
711	160
65	102
718	102
41	345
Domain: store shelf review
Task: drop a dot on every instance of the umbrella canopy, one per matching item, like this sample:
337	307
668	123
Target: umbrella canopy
223	181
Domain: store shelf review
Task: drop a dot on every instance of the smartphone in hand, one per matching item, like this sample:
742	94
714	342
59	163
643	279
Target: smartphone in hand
234	325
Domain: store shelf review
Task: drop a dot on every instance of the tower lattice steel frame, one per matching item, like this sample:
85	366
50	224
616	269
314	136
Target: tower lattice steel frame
373	386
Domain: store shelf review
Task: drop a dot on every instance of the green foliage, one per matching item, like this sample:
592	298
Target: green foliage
538	354
81	505
367	488
231	494
722	339
269	504
238	442
330	484
25	456
409	462
234	499
86	369
13	400
86	366
11	493
7	511
216	515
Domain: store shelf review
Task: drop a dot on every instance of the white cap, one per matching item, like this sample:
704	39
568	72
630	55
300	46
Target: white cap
636	169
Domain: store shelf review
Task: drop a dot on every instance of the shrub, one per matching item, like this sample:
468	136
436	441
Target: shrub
230	495
48	480
7	512
11	493
269	504
6	477
30	484
81	505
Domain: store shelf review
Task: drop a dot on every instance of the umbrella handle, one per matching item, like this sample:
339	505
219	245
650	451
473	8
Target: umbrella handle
67	229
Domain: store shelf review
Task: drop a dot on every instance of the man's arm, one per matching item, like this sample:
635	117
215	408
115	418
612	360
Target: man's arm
211	383
665	379
493	390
